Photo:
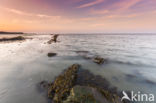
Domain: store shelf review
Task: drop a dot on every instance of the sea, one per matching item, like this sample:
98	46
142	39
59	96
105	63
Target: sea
130	66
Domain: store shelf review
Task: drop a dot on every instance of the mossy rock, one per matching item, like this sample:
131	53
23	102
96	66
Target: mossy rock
86	94
81	94
99	60
61	87
76	85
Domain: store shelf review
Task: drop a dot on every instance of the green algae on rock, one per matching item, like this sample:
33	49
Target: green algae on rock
61	87
77	85
86	94
81	94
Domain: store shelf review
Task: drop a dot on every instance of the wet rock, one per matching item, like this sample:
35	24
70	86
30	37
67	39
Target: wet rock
54	39
76	85
61	87
12	39
89	56
87	94
99	60
51	54
81	94
112	98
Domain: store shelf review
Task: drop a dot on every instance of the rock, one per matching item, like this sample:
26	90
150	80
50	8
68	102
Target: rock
54	39
77	85
89	56
12	39
51	54
81	94
99	60
61	87
86	94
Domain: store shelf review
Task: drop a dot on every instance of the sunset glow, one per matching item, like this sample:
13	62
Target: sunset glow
72	16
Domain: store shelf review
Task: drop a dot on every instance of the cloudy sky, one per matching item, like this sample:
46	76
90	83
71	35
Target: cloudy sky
72	16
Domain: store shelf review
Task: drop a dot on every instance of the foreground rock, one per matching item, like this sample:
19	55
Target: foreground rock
12	39
51	54
60	89
86	94
76	85
81	94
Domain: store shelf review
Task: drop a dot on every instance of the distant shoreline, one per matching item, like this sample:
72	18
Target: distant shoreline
3	32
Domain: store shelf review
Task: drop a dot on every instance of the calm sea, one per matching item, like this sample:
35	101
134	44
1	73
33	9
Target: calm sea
131	63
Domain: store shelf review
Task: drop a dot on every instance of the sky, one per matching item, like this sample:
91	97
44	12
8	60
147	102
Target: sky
78	16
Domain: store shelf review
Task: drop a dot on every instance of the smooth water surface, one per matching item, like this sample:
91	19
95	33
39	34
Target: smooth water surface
23	64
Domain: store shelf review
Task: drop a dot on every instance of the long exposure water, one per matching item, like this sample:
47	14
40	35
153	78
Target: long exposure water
23	64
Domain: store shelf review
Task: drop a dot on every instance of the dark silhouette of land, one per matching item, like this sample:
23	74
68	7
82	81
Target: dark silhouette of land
12	39
3	32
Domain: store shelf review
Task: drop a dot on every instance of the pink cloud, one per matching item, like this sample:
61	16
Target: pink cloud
90	4
100	12
124	5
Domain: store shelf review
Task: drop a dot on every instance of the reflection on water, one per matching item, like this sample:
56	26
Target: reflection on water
23	65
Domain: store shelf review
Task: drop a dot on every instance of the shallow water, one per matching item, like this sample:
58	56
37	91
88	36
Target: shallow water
131	63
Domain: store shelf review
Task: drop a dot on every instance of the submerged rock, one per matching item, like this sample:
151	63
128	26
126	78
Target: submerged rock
82	51
89	56
61	87
52	54
85	54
